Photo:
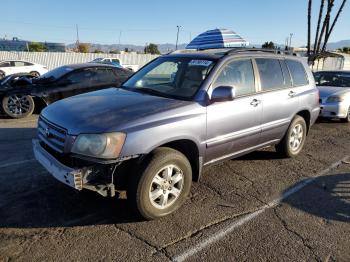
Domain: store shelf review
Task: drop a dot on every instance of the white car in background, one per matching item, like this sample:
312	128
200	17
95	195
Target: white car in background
334	87
116	62
9	67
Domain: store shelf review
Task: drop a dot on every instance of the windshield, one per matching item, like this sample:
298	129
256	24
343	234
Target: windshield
172	77
338	79
55	73
97	60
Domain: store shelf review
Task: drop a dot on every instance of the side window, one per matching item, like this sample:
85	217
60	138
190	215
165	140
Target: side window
270	74
27	64
19	63
298	73
286	75
5	64
81	76
239	74
104	75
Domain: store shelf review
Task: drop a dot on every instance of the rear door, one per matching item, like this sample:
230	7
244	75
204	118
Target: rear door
234	126
279	98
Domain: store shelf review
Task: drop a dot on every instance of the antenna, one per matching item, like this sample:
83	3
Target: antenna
77	42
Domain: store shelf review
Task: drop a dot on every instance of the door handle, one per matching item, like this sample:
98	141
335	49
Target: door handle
292	93
255	102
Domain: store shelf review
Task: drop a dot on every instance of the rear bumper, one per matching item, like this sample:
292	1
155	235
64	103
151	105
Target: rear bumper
66	175
334	110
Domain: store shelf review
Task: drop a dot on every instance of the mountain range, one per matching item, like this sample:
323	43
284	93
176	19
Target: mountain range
165	48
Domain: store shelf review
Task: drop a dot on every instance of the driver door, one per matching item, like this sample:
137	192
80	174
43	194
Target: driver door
234	126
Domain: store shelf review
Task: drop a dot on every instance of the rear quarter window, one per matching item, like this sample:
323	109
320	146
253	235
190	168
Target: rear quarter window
297	72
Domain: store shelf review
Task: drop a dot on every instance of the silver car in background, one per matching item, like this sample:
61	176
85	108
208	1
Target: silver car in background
334	89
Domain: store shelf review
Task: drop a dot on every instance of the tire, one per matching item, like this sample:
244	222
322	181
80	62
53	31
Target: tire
18	106
2	74
152	180
346	119
35	73
294	139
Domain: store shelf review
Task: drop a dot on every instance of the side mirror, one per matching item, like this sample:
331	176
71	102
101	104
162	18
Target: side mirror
223	93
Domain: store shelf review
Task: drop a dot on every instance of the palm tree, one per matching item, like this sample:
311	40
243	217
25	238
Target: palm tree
320	14
309	27
332	26
325	22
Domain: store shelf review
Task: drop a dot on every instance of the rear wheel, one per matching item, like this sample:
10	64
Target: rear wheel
347	118
2	74
163	183
18	106
35	73
294	140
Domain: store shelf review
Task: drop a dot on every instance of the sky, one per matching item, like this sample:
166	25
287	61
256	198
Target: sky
155	21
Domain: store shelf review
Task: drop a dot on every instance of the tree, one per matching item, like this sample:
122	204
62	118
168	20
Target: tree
114	52
332	26
320	14
37	47
152	49
309	27
269	45
98	51
322	36
325	23
83	48
345	50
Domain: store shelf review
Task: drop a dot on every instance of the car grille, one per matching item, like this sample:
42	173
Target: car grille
52	135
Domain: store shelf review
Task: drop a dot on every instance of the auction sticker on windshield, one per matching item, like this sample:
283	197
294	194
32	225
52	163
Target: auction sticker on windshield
200	63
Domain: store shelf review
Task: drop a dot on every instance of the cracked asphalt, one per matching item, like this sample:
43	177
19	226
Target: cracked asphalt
42	219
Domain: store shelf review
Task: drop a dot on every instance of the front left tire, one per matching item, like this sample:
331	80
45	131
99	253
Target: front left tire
162	183
18	106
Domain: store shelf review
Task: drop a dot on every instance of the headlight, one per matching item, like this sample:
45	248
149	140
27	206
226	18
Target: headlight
99	145
333	99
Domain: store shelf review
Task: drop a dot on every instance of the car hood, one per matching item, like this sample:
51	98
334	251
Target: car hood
112	110
326	91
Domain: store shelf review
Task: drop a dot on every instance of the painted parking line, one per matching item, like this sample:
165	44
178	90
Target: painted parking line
240	222
17	163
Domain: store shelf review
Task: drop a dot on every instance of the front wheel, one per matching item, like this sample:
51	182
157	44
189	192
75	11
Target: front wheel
294	139
347	118
18	106
163	184
2	74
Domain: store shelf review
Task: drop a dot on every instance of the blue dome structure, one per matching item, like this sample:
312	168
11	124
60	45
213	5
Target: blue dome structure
217	38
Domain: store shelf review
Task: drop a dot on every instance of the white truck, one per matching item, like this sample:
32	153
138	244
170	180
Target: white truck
116	62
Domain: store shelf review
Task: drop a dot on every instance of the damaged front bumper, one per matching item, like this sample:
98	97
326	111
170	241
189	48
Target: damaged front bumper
75	178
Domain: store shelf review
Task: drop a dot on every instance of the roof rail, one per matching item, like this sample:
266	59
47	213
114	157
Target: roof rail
264	50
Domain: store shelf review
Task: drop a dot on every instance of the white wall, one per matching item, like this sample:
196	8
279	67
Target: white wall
53	59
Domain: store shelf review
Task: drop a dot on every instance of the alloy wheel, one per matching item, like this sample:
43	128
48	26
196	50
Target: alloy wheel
296	137
18	104
166	186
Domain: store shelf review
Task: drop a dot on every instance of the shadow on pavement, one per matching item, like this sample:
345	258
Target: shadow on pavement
328	197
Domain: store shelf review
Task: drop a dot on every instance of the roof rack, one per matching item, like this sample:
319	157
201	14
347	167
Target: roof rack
235	50
263	50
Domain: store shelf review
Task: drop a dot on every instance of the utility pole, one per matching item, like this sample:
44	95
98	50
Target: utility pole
290	40
120	36
77	43
177	36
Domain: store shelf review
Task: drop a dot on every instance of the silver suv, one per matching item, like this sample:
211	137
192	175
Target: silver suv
181	112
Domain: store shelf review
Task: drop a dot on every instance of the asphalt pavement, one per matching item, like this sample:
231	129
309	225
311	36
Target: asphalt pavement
255	208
